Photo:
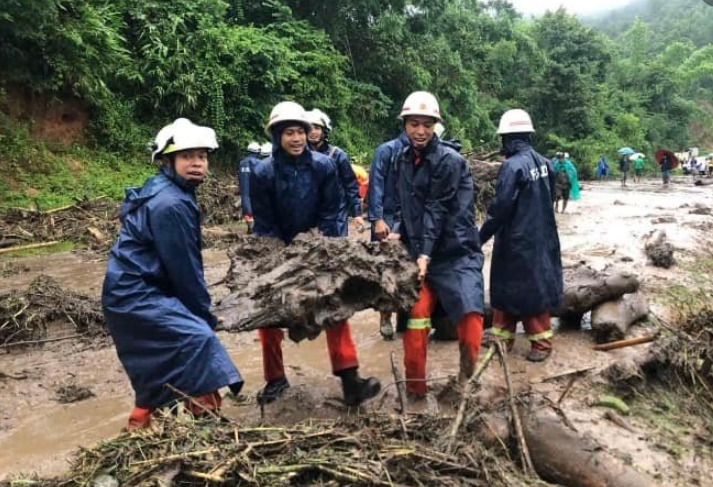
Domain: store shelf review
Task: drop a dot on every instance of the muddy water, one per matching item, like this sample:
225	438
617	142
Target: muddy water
38	434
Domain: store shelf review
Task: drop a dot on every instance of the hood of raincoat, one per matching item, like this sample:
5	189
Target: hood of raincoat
135	197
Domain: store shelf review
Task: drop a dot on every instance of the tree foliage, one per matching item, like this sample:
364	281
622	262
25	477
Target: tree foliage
141	63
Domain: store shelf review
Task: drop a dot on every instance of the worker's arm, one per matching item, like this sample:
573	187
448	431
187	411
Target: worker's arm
244	184
506	194
350	184
177	239
329	203
262	201
377	180
444	185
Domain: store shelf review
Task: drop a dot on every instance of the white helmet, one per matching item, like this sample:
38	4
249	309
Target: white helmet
181	135
566	155
254	147
421	103
318	117
439	129
287	111
266	149
515	122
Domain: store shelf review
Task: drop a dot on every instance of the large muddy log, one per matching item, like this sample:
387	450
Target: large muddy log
313	283
611	320
585	288
560	455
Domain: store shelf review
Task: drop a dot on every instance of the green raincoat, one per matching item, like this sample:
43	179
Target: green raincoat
571	171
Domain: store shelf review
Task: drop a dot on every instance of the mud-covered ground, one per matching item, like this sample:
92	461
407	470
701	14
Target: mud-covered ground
38	433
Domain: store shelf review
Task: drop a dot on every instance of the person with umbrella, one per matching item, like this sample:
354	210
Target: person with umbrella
625	163
667	160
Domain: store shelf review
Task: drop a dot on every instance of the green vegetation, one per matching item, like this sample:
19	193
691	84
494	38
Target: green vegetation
138	64
64	246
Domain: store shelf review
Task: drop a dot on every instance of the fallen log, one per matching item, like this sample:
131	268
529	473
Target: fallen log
315	282
611	320
562	456
585	288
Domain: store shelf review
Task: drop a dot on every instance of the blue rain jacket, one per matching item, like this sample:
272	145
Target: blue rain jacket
382	184
602	167
526	270
245	168
349	186
293	195
155	298
435	217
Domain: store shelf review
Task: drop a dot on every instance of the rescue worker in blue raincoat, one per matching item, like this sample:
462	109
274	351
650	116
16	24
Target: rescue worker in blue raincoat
382	203
318	138
435	218
294	191
244	170
155	298
526	271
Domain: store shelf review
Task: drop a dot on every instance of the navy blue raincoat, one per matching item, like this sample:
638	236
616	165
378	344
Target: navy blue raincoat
293	195
435	217
382	181
348	187
526	270
155	298
245	168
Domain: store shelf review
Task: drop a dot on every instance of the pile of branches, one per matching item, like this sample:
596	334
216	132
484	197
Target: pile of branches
485	175
25	315
368	450
219	200
689	350
93	223
313	283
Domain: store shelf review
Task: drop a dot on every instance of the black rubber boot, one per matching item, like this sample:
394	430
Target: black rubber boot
537	355
272	390
357	390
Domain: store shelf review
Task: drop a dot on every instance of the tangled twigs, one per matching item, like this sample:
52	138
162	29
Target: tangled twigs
24	316
517	422
467	390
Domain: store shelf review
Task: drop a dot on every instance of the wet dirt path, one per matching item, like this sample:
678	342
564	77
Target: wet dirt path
37	434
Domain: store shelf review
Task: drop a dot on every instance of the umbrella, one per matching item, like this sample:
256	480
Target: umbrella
638	155
626	151
661	152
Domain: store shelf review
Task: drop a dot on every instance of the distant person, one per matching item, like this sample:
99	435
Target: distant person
155	299
562	183
666	166
624	164
602	168
246	166
526	271
638	169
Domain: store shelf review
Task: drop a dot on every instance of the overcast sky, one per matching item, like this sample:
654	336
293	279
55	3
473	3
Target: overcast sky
537	7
